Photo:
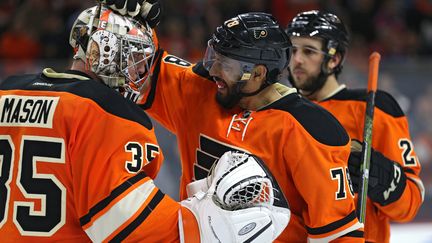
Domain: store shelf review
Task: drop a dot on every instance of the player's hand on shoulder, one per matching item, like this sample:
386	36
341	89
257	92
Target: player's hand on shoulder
237	202
124	7
151	12
387	180
143	10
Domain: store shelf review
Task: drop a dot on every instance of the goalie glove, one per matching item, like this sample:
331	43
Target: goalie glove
387	179
142	10
201	216
240	201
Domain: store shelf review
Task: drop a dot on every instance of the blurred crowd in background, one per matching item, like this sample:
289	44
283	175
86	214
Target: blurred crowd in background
34	34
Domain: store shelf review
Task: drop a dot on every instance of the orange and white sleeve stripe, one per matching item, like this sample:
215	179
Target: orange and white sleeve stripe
128	205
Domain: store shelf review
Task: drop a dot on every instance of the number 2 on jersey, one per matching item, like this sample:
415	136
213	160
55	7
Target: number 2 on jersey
407	147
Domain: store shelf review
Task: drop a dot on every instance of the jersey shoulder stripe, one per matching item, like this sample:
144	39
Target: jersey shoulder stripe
383	100
316	120
108	99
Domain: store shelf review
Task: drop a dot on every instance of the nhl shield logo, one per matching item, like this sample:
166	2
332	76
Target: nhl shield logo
260	34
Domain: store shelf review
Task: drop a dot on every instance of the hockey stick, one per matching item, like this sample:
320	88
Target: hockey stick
374	60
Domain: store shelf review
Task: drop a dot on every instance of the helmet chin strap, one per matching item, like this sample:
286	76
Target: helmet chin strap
242	82
237	94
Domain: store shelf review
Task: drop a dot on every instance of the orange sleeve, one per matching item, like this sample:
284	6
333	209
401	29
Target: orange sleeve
166	98
330	211
391	137
397	146
114	198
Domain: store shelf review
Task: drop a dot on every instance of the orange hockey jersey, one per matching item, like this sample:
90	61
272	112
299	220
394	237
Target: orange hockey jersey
72	154
391	137
303	145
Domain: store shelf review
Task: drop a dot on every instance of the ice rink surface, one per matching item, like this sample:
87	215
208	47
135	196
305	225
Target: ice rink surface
411	233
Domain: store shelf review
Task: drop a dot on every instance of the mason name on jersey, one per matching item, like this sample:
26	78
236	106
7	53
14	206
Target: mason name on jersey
29	111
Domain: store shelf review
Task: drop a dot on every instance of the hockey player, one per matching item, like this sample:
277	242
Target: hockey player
77	158
320	43
233	101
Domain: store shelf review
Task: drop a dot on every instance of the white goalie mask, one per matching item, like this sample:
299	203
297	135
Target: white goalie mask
118	49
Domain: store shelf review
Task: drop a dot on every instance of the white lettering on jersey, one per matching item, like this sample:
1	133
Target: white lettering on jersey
27	111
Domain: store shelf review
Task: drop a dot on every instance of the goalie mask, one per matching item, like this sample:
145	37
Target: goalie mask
119	50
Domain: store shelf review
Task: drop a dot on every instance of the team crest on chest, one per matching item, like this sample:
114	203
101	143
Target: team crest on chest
239	123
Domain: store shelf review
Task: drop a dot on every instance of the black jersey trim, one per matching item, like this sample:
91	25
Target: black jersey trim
354	234
317	121
332	226
408	170
199	70
383	100
108	99
140	218
113	195
154	81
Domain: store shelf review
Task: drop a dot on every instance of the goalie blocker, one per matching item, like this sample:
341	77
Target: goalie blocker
238	202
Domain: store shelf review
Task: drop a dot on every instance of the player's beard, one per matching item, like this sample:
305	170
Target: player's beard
311	84
308	84
230	99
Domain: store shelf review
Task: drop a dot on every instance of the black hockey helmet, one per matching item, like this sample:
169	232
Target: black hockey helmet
326	26
254	38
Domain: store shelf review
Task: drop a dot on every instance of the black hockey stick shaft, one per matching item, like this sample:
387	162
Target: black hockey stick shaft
374	60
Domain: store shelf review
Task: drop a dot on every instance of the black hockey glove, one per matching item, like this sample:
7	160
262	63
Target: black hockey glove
387	179
142	10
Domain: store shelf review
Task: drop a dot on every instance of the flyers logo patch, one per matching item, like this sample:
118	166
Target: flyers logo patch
260	34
